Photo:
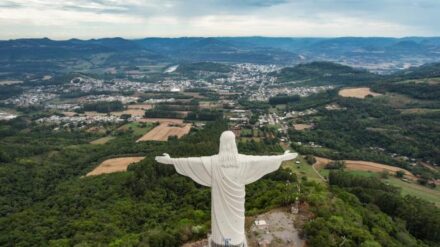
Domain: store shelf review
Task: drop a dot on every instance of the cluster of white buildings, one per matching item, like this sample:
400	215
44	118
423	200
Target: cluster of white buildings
239	116
157	101
87	84
269	119
62	107
29	98
7	116
110	98
293	114
265	93
79	120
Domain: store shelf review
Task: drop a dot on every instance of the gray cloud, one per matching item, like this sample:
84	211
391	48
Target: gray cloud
219	17
9	4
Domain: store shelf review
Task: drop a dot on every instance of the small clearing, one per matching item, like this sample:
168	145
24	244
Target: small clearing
114	165
302	126
278	231
360	92
165	130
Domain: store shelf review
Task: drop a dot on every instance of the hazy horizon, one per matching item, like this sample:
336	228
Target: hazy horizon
251	36
61	20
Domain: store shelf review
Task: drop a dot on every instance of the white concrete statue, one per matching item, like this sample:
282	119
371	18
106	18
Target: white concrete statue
227	173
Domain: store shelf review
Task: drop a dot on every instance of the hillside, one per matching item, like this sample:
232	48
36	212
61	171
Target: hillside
377	54
203	66
47	150
321	73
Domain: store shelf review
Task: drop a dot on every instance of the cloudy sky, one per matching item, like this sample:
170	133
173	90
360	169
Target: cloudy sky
64	19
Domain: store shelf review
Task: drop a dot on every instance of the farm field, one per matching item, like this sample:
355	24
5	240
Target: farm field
102	140
133	112
209	105
302	169
431	81
69	113
408	187
413	189
302	126
161	120
358	165
371	169
140	106
359	93
195	95
165	130
138	129
114	165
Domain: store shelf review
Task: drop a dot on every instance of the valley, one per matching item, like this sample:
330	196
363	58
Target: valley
80	147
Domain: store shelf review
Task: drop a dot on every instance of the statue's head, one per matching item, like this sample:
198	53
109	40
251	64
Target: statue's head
227	144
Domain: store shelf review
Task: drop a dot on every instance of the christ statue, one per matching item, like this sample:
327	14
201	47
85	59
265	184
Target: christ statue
227	173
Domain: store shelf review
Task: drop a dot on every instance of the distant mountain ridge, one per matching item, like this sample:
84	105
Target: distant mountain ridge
19	55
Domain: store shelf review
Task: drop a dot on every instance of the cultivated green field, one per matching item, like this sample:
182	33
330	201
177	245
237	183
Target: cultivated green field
408	188
102	140
303	169
138	129
431	195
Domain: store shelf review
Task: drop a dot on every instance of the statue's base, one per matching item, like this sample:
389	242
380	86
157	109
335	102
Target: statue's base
213	244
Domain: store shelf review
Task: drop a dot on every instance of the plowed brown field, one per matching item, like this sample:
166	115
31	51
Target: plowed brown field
114	165
359	93
165	130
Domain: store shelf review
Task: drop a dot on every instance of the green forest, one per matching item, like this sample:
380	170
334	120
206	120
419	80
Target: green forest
370	129
46	201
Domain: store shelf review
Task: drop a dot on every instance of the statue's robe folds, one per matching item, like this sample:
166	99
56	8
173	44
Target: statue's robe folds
227	190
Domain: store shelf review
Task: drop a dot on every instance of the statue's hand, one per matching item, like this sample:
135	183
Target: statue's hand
164	159
289	156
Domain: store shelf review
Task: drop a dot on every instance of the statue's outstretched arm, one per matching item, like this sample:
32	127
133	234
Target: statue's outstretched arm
197	168
289	156
258	166
164	159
